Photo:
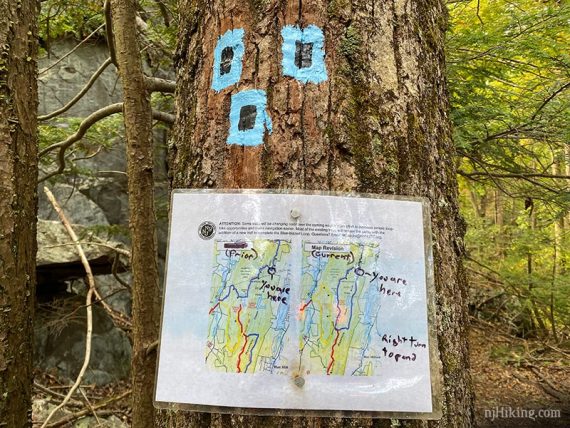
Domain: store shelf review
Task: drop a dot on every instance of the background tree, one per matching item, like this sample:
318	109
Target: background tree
18	206
142	221
378	123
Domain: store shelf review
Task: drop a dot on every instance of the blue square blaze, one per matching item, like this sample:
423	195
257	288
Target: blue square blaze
304	53
249	118
228	57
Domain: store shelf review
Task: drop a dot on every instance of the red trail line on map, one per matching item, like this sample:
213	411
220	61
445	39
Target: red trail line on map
212	310
305	305
244	345
332	352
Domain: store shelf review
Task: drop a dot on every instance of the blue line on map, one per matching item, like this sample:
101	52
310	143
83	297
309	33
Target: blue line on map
368	339
310	316
225	272
370	303
337	302
352	302
248	287
281	315
228	294
316	276
351	298
214	335
251	350
276	253
280	344
371	299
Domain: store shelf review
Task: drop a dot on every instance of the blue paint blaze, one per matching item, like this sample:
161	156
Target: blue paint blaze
316	72
253	136
232	39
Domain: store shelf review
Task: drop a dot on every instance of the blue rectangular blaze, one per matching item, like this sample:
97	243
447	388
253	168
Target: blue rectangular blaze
304	53
228	57
249	118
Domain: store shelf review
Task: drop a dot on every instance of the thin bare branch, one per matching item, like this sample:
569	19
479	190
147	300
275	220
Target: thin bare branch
156	84
163	117
114	271
164	12
89	309
478	12
109	31
87	123
55	394
512	175
90	406
550	98
86	411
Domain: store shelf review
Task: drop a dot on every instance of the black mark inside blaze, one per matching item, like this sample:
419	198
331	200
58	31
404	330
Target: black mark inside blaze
303	54
226	62
247	116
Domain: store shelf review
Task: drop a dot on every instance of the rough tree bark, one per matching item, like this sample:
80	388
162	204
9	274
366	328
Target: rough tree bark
142	222
378	124
18	206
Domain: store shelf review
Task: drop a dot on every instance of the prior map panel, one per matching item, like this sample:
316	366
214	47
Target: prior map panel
249	306
341	289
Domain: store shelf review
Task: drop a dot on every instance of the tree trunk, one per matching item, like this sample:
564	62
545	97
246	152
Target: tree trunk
500	223
140	163
378	123
18	206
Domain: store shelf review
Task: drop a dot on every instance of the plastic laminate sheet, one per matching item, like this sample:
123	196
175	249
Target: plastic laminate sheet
298	304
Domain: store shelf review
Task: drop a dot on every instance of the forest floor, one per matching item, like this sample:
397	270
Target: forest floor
518	383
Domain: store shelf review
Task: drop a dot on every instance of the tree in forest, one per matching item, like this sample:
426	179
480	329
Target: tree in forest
18	175
140	163
372	118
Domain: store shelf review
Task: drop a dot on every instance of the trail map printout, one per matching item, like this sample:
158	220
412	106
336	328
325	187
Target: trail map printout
263	290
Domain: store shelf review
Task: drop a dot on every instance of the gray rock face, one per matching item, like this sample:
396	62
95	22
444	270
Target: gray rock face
58	85
79	208
57	258
60	342
106	183
114	293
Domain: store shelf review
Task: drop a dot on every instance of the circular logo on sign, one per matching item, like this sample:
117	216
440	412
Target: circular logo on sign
207	230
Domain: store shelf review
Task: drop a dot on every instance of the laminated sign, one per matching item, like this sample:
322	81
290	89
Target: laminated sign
299	303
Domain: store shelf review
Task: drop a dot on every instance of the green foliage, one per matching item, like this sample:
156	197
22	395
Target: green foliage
509	75
509	79
159	40
62	18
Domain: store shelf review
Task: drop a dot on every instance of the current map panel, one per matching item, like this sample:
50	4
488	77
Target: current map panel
341	286
249	306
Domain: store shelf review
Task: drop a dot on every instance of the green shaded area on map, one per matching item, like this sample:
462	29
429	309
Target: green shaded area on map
249	306
340	302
